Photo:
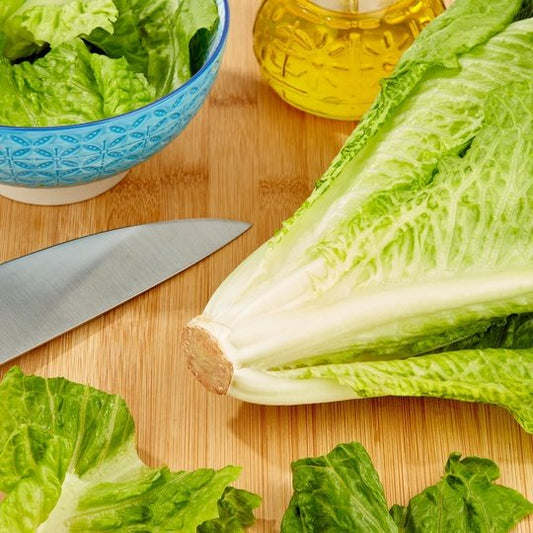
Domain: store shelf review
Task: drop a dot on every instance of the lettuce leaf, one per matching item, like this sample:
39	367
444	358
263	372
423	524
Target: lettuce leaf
501	377
341	491
465	499
121	88
235	509
155	37
68	463
7	8
69	85
39	22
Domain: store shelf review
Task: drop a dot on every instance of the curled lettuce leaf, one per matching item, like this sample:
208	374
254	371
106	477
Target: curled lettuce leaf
156	37
69	85
68	462
340	491
465	499
39	22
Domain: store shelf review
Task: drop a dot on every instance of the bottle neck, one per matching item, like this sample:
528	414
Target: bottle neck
354	6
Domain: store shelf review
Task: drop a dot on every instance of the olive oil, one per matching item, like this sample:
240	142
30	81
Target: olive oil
326	57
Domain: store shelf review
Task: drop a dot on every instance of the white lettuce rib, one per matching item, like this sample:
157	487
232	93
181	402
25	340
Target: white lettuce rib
276	339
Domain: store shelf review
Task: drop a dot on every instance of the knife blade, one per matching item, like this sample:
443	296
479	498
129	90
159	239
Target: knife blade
51	291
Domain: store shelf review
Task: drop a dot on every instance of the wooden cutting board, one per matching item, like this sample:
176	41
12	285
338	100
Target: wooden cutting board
249	156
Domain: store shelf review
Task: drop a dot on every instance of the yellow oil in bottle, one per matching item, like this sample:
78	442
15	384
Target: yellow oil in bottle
326	57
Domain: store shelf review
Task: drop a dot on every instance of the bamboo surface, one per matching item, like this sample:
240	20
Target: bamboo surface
247	155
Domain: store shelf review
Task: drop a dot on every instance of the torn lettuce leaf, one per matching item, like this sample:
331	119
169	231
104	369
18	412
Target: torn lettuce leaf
121	88
69	85
155	37
341	492
68	462
60	84
465	499
235	510
169	62
39	22
126	39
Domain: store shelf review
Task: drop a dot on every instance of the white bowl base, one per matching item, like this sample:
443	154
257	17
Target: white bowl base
59	195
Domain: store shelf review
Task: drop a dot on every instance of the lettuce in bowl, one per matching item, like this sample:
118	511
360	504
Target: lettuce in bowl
75	61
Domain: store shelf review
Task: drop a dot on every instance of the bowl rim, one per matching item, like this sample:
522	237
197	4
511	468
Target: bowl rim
182	88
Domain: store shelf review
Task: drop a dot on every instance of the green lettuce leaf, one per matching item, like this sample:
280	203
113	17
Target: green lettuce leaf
341	492
501	377
465	499
235	510
126	40
39	22
198	20
58	88
7	8
121	88
68	463
156	38
69	85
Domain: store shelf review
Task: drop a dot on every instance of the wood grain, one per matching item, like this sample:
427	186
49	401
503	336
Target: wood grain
249	156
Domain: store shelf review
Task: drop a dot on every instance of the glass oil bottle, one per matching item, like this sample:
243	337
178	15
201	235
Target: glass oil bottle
326	57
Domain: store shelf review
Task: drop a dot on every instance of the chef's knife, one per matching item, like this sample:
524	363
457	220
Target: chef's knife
49	292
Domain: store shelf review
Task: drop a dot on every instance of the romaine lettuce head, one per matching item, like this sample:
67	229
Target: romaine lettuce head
419	237
68	462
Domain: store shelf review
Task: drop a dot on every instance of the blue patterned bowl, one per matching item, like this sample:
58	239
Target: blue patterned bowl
65	164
